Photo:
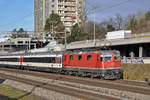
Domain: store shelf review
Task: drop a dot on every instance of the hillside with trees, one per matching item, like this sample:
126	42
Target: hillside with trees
141	24
76	34
138	23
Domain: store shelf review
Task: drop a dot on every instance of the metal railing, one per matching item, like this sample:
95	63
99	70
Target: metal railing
132	36
136	60
140	35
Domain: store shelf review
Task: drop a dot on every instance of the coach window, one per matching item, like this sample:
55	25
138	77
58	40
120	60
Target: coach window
71	57
59	60
80	57
52	60
89	57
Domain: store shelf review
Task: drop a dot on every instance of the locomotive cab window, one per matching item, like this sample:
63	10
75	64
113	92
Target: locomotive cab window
71	57
89	57
108	58
117	58
80	57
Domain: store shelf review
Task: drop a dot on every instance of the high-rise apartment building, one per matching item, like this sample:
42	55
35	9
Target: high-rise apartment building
70	11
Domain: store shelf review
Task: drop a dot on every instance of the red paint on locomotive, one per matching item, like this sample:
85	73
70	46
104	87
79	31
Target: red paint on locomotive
92	60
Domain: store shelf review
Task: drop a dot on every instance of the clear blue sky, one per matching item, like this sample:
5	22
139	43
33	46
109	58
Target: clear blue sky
19	13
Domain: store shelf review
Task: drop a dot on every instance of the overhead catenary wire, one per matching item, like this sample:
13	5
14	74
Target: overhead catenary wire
112	6
98	10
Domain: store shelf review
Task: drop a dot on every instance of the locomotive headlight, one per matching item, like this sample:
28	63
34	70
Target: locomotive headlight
117	72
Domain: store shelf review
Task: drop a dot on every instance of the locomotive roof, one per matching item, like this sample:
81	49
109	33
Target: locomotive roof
61	53
36	53
93	52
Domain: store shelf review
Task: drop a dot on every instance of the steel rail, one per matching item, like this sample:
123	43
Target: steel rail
118	84
64	90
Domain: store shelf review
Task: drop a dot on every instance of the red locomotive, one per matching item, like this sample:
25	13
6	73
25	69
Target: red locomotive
103	64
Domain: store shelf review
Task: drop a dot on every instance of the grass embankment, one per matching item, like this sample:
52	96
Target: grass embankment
16	94
136	71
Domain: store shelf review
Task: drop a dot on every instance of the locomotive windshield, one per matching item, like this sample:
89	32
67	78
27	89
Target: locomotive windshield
106	58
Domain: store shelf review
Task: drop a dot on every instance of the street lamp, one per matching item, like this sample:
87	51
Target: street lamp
94	33
94	30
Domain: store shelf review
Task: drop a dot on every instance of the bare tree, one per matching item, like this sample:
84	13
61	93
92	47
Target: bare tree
87	11
103	27
119	22
111	21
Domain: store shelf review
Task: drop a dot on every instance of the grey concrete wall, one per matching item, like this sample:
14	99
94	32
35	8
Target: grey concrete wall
139	47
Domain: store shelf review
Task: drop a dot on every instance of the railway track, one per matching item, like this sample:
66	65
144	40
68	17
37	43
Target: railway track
121	85
68	91
81	80
65	90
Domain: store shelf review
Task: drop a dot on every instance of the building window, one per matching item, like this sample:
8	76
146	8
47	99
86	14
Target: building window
53	6
80	57
52	11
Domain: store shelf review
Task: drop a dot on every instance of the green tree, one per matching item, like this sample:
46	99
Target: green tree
19	34
21	30
147	15
15	30
76	34
14	33
132	23
54	24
